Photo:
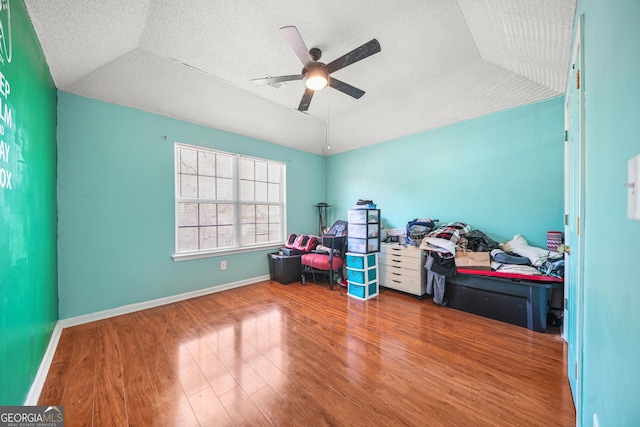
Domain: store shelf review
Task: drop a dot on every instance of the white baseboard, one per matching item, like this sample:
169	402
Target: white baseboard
43	370
45	364
131	308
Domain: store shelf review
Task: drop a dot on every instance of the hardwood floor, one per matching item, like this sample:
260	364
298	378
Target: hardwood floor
293	355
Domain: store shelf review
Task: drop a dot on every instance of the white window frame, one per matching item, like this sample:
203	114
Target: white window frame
237	247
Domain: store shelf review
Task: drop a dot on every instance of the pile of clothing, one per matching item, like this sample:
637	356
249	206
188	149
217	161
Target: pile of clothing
440	245
515	256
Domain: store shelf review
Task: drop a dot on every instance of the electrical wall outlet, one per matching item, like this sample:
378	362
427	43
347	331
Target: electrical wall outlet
223	265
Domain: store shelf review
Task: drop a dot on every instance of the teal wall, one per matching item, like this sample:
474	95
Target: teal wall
116	205
501	173
611	352
28	275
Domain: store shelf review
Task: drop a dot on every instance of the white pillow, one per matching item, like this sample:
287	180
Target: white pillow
537	256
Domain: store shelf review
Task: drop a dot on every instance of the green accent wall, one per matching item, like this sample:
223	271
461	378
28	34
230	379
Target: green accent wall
501	173
28	272
611	328
116	205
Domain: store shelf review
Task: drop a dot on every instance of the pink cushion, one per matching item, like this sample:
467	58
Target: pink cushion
321	261
536	278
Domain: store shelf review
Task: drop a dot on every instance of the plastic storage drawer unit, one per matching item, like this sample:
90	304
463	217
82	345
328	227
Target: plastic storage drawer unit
362	275
363	230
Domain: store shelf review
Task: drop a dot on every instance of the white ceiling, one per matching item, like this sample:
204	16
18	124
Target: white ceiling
442	61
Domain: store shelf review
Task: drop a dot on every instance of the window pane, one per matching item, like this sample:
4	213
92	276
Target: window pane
225	236
187	239
274	232
188	161
225	214
188	186
208	237
248	232
248	214
261	191
224	166
187	214
261	171
206	163
208	213
262	233
247	169
274	214
225	189
247	192
274	173
273	192
262	214
206	187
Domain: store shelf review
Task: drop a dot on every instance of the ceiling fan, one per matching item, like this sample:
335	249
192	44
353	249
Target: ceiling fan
315	74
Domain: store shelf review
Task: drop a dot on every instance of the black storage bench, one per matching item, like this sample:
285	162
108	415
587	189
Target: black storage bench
518	299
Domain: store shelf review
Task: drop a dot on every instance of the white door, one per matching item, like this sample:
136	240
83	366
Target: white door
574	204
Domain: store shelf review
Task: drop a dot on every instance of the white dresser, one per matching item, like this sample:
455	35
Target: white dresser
402	268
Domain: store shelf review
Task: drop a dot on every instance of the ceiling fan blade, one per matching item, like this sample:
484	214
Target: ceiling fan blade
306	100
276	79
292	36
345	88
357	54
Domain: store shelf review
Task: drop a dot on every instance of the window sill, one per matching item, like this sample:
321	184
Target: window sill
209	254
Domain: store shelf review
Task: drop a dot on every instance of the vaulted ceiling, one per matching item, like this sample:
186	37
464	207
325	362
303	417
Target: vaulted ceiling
442	61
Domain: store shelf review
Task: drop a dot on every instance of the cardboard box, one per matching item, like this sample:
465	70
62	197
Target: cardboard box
475	260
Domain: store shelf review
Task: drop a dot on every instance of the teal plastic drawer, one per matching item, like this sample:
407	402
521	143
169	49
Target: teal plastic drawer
363	291
361	276
359	261
356	290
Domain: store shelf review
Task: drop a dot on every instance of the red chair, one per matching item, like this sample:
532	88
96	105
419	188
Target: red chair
331	261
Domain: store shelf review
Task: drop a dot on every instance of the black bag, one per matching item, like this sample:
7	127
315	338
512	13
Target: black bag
477	241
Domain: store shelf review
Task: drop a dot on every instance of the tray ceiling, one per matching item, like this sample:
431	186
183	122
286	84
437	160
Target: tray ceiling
441	61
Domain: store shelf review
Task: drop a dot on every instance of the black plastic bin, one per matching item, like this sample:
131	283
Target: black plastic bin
285	269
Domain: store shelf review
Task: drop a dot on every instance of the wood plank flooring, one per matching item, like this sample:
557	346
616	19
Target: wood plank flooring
293	355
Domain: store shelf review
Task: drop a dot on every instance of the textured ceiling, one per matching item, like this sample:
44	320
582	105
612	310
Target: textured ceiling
442	61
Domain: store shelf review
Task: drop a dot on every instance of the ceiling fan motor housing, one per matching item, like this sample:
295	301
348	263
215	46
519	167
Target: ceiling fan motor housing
312	67
315	53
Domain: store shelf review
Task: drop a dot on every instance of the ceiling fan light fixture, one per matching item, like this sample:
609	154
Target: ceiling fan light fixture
316	79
